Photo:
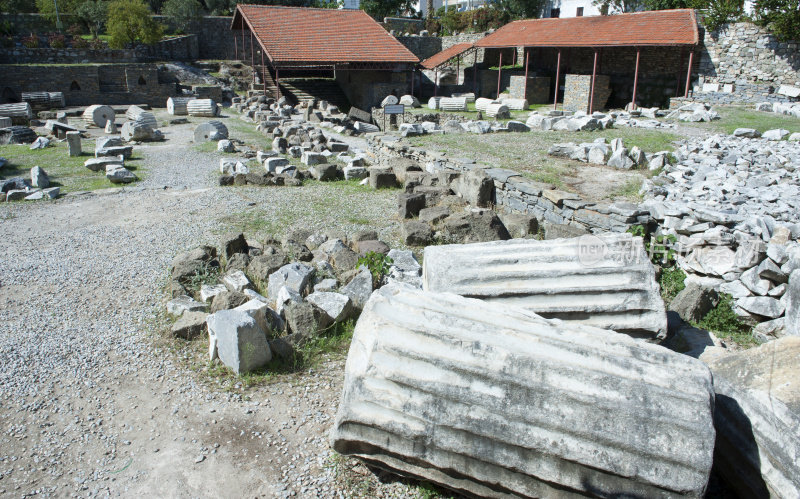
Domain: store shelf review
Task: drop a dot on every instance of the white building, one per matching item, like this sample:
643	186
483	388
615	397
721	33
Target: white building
350	4
569	8
459	5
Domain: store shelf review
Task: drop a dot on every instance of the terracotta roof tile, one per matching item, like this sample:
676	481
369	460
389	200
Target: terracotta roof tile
295	34
445	55
658	27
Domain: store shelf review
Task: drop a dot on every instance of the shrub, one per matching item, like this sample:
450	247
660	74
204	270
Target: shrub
80	43
182	12
75	30
130	22
723	321
98	44
782	17
31	42
378	265
57	41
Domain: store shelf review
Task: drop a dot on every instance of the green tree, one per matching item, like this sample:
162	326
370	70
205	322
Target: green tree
17	6
618	6
668	4
93	15
519	9
782	17
47	8
130	21
182	12
386	8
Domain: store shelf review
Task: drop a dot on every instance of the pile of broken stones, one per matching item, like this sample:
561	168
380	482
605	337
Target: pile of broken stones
733	205
18	188
613	154
110	154
310	281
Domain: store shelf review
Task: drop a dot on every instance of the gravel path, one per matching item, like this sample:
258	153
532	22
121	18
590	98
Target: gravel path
92	401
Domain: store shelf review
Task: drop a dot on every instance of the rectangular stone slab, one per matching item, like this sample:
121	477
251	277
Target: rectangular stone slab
491	400
605	281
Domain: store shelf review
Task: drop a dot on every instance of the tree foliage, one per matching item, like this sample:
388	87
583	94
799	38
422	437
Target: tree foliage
18	6
519	9
782	17
379	9
47	8
618	6
93	14
129	22
182	12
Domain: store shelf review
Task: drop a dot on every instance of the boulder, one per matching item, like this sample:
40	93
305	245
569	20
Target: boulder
294	276
409	204
359	288
380	178
228	300
233	243
748	133
619	159
177	306
306	320
776	134
260	312
190	325
470	227
605	281
694	302
100	164
324	172
476	187
495	401
270	260
791	301
405	268
209	291
118	174
238	341
39	178
225	145
337	305
236	281
756	416
416	233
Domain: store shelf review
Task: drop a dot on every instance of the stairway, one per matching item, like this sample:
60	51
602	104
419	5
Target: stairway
305	89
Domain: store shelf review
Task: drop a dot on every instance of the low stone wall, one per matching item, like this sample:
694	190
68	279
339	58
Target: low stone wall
516	194
536	92
578	92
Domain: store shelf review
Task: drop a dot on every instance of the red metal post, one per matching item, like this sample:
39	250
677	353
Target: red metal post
263	72
635	79
475	74
591	91
499	73
525	91
558	71
235	48
252	57
458	69
689	73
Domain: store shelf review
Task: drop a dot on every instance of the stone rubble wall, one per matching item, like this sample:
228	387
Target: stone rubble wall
183	48
751	59
516	194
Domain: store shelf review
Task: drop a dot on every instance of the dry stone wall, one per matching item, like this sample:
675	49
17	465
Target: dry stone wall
754	62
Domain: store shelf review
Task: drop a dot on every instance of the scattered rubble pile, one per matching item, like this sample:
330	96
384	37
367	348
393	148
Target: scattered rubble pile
18	188
613	154
311	281
787	108
110	154
733	204
694	112
509	403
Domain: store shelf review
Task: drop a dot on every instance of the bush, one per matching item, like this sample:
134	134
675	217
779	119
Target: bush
723	321
98	44
57	41
719	12
80	43
75	30
130	22
31	42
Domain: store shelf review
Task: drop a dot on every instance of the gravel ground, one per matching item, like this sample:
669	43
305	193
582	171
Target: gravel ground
94	402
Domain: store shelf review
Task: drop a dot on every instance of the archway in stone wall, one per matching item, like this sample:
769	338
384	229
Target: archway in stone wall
8	96
74	87
142	81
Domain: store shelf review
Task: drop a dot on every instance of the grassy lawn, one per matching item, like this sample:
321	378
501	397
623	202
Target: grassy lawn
733	117
64	171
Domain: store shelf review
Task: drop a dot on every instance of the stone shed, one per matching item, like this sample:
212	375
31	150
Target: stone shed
343	46
647	57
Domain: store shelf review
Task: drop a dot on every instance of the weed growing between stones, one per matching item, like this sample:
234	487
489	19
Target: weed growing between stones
208	274
378	265
671	283
724	322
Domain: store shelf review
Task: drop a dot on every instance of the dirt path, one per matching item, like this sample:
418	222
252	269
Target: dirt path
88	404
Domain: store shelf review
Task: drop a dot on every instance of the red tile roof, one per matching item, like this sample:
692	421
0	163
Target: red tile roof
445	55
658	27
295	34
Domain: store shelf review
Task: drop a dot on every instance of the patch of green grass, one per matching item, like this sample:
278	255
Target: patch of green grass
724	322
548	174
105	38
208	146
733	117
629	190
671	283
64	171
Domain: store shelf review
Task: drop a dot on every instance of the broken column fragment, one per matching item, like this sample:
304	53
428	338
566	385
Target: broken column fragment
494	401
757	416
605	281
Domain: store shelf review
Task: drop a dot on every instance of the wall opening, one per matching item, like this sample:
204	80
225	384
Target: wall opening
142	81
8	96
74	87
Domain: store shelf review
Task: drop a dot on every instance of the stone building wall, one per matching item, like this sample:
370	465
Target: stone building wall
751	61
536	92
91	84
183	48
